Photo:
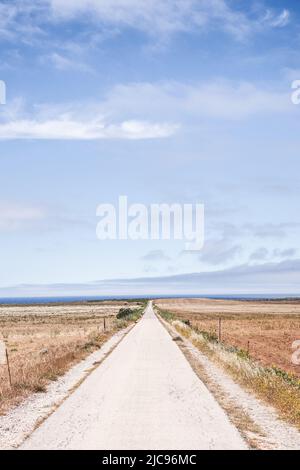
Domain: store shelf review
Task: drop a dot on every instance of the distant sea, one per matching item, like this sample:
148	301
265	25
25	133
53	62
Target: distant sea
62	299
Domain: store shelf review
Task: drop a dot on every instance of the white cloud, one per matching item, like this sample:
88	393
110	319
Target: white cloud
62	62
17	216
67	128
172	16
115	116
14	216
268	278
214	99
156	18
262	253
78	121
155	255
259	254
22	18
279	21
284	253
219	251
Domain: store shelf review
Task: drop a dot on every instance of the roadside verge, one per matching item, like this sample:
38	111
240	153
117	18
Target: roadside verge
258	422
22	420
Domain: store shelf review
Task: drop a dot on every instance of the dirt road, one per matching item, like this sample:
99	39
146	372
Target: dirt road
144	395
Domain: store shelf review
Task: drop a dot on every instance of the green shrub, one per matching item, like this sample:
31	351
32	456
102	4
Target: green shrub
124	312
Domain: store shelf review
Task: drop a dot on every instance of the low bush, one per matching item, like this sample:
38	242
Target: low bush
124	312
130	314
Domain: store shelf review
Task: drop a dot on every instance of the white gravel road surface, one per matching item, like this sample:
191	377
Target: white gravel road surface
144	395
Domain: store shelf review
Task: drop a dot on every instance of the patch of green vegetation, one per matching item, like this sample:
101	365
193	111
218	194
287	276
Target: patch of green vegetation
142	302
124	312
286	376
168	316
211	337
130	314
242	354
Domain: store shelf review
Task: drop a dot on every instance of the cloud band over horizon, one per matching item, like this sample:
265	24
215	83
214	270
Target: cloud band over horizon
262	279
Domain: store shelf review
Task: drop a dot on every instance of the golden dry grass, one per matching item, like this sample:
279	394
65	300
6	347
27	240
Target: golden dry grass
267	328
270	327
43	342
280	390
231	307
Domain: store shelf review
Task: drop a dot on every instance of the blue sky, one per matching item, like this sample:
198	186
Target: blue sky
163	101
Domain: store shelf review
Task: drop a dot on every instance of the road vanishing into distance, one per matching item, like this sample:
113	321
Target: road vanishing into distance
144	395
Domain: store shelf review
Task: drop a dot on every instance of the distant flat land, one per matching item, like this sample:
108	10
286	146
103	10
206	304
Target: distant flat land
102	308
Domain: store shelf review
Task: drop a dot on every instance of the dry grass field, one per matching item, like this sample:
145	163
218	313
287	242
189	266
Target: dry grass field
255	347
44	341
267	328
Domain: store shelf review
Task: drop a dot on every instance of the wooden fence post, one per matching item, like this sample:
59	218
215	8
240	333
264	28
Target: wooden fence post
8	367
220	330
104	324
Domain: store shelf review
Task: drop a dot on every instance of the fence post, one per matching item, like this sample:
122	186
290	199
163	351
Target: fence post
220	330
104	324
8	367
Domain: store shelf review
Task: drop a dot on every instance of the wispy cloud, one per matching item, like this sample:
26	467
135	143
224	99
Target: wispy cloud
221	99
67	128
285	253
22	19
260	254
18	217
114	117
155	255
267	278
277	21
219	251
263	253
76	122
15	216
62	62
271	230
166	17
156	18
